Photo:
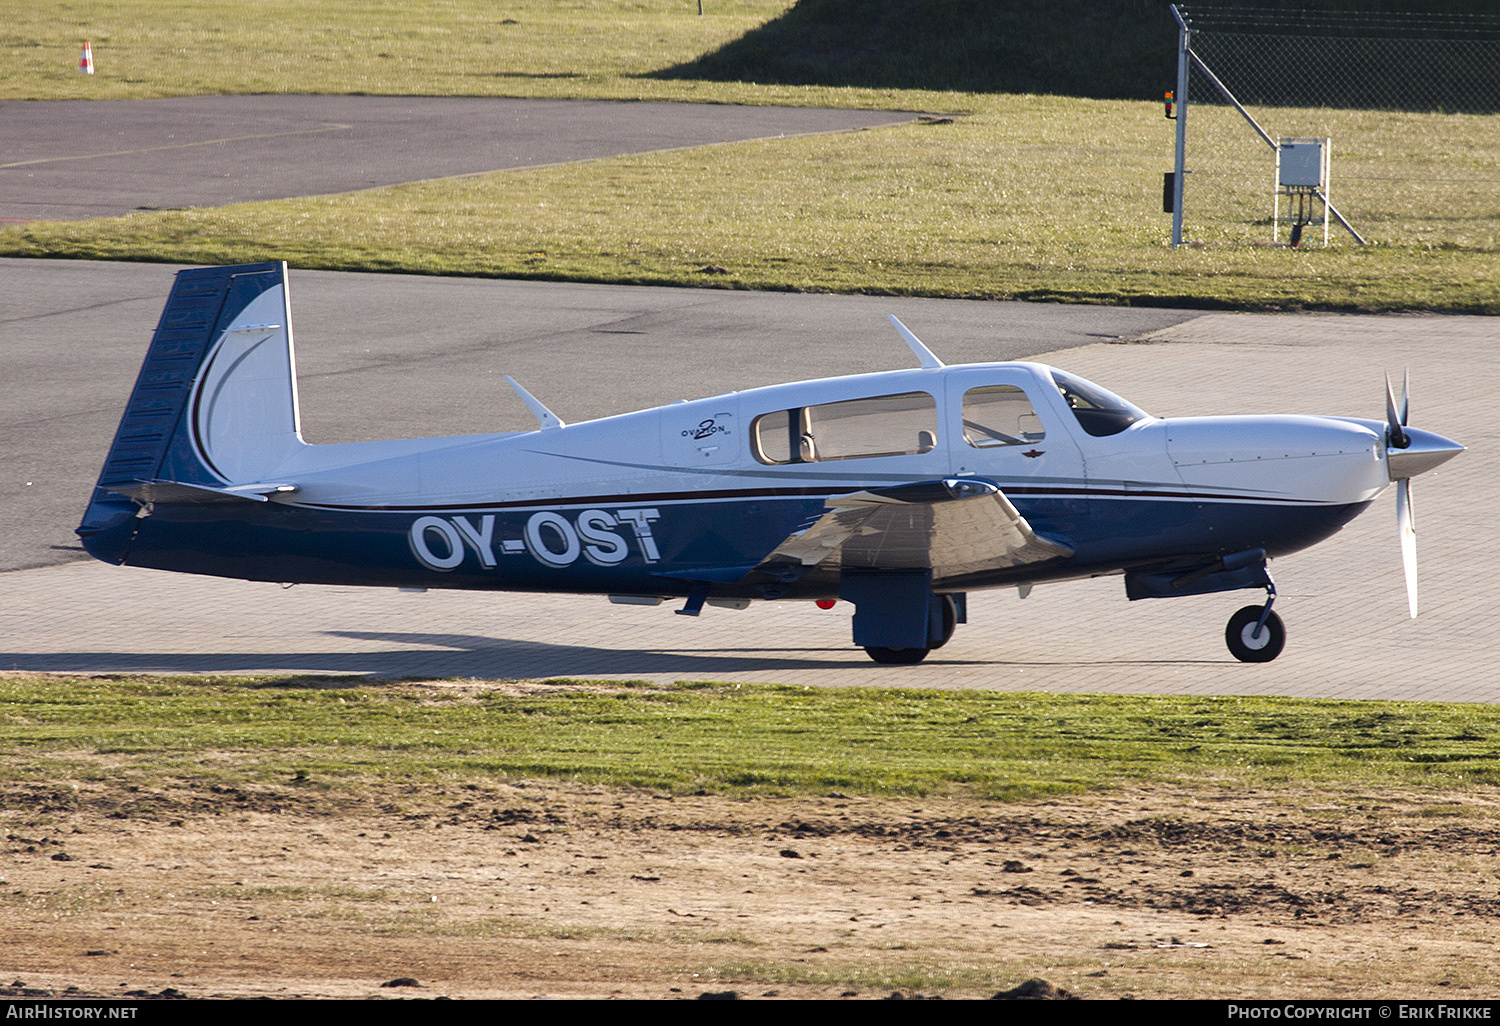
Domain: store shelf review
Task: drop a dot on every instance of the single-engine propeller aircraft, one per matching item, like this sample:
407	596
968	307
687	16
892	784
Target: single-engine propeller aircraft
900	491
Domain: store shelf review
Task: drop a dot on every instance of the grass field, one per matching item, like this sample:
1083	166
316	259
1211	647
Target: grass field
756	739
1024	197
553	48
559	49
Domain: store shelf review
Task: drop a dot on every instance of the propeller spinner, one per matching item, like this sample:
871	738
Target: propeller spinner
1409	452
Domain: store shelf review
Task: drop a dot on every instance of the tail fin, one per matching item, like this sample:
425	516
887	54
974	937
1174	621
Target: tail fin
215	404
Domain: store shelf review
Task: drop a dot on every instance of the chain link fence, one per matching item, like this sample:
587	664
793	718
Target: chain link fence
1410	102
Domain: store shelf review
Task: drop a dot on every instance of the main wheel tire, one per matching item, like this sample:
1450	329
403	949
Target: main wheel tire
1248	649
897	656
950	619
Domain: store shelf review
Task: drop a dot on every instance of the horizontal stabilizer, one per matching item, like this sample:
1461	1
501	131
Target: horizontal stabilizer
181	493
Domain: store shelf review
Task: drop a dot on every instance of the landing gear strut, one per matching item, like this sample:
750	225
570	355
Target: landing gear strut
1255	634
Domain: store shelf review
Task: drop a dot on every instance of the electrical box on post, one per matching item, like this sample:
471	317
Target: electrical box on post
1302	180
1301	162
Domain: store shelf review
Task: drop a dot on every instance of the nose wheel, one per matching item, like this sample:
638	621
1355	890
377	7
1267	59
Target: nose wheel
1255	634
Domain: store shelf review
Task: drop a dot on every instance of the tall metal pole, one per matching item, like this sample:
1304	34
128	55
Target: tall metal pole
1183	54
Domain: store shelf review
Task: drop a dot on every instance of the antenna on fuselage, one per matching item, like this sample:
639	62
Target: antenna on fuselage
923	353
545	417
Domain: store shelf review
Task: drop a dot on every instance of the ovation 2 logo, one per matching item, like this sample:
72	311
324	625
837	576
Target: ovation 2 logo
706	429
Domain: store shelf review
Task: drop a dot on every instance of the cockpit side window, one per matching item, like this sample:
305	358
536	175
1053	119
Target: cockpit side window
1099	411
996	415
882	425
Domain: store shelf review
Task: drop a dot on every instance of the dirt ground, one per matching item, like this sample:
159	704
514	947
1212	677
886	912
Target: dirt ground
544	889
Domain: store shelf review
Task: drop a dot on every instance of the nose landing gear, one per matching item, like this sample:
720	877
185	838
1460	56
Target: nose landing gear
1255	634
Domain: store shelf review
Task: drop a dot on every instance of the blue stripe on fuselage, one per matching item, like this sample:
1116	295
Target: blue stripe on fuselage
653	548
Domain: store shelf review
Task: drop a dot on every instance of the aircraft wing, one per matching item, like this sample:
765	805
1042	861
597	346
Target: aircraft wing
952	527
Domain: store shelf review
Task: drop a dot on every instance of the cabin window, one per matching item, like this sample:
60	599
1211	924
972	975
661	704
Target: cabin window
1099	411
997	415
882	425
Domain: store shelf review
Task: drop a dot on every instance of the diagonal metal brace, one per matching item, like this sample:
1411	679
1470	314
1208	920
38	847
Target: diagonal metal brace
1340	218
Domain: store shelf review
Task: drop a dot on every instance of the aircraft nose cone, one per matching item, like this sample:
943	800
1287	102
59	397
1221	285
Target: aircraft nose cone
1425	451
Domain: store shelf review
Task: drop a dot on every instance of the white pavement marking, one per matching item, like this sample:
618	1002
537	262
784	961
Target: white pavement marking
1348	635
177	146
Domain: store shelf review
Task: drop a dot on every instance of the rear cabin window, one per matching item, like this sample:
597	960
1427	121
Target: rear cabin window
882	425
1000	415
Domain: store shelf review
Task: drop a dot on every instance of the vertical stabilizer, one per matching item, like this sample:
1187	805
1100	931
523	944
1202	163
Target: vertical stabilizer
215	402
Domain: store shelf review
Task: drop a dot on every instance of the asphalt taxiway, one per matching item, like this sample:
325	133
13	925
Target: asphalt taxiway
62	159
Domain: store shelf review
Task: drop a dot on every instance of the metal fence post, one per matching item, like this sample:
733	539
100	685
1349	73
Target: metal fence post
1183	43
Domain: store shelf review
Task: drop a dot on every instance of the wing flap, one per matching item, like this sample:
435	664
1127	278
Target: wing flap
952	527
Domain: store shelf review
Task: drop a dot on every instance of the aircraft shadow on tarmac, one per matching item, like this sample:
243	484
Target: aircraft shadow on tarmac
456	655
468	655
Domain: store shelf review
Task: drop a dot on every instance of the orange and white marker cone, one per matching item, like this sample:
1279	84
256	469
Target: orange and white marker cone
86	62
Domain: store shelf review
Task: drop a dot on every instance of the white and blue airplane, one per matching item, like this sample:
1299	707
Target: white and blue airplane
900	492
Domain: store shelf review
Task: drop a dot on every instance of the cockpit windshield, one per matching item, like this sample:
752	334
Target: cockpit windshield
1099	411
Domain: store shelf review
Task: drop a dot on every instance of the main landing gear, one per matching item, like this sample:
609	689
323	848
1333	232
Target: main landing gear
1255	634
911	656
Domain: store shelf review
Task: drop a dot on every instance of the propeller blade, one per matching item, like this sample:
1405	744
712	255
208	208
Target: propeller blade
1407	531
1395	436
1405	394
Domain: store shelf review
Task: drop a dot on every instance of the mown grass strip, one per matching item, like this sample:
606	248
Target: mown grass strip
144	49
1040	198
740	739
